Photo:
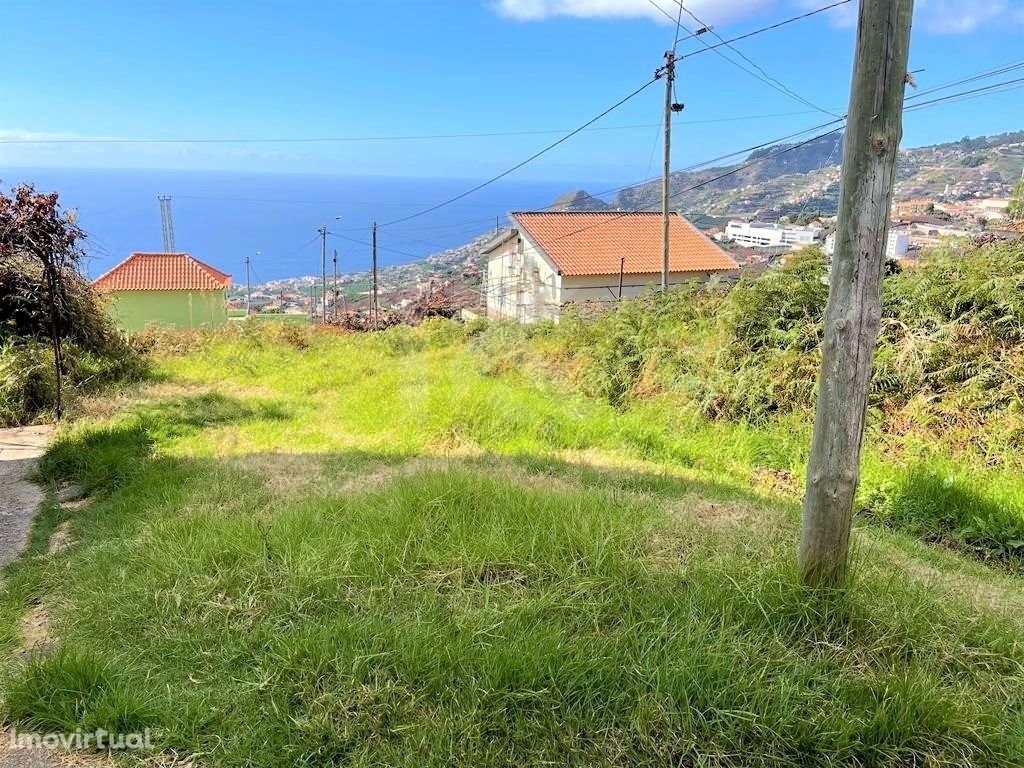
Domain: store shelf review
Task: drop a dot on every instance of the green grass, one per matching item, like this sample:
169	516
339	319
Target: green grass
282	317
377	550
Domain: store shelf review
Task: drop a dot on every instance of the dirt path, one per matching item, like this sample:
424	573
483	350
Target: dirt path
20	449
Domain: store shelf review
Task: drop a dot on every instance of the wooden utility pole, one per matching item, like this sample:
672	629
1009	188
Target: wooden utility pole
669	71
323	272
335	308
374	307
248	287
622	269
873	132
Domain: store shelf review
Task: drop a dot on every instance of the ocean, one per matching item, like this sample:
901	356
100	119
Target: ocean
222	217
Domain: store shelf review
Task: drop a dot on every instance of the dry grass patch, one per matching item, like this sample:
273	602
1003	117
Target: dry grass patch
35	630
60	539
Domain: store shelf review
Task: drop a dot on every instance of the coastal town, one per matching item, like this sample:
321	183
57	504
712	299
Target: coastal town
454	282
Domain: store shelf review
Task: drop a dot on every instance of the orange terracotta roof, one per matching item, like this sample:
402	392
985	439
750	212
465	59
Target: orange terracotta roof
162	272
593	242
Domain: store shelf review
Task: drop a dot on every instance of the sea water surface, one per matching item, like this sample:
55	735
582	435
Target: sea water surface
222	217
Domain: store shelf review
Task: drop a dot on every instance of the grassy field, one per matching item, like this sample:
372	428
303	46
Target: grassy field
271	316
315	549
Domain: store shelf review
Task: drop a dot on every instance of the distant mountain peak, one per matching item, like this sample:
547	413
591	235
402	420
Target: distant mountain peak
579	200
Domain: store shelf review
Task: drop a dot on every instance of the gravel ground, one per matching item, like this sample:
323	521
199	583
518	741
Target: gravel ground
20	449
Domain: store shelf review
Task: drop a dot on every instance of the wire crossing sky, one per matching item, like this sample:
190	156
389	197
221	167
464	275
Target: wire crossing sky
457	90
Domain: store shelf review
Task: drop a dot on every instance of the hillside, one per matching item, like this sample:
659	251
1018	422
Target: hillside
313	548
807	178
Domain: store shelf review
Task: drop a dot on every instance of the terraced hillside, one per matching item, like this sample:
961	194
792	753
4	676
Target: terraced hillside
807	178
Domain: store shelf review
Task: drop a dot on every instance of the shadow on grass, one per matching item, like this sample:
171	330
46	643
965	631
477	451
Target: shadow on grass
489	610
950	510
102	459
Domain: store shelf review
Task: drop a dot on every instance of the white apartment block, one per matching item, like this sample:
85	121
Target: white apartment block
896	244
760	235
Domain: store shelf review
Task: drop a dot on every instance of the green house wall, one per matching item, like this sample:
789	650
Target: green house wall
134	310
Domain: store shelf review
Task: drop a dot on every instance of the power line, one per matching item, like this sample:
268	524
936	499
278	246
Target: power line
972	93
957	96
766	78
424	137
743	166
771	142
379	246
766	29
954	99
706	163
531	158
1002	69
296	250
704	183
314	202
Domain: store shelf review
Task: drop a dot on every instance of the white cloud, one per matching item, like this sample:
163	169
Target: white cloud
941	17
712	11
944	17
957	17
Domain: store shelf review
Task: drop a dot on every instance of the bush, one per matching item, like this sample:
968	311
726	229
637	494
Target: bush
951	343
28	383
781	309
400	340
296	336
440	332
39	245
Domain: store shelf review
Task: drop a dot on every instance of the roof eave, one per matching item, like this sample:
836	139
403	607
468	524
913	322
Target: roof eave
525	233
493	243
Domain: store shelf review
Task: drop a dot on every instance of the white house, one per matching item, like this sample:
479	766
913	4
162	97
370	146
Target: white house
896	244
548	259
760	235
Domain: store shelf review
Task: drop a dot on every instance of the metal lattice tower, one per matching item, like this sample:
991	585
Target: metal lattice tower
166	222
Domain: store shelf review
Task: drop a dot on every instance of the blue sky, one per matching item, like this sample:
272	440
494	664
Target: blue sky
142	69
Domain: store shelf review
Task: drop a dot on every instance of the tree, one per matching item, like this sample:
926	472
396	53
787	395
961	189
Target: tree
854	308
36	234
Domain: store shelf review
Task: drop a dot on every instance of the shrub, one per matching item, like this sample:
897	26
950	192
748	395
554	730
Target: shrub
28	383
296	336
440	332
782	308
44	297
400	340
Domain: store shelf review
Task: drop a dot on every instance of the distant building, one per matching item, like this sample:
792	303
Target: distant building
761	235
547	260
259	300
896	244
169	289
916	207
